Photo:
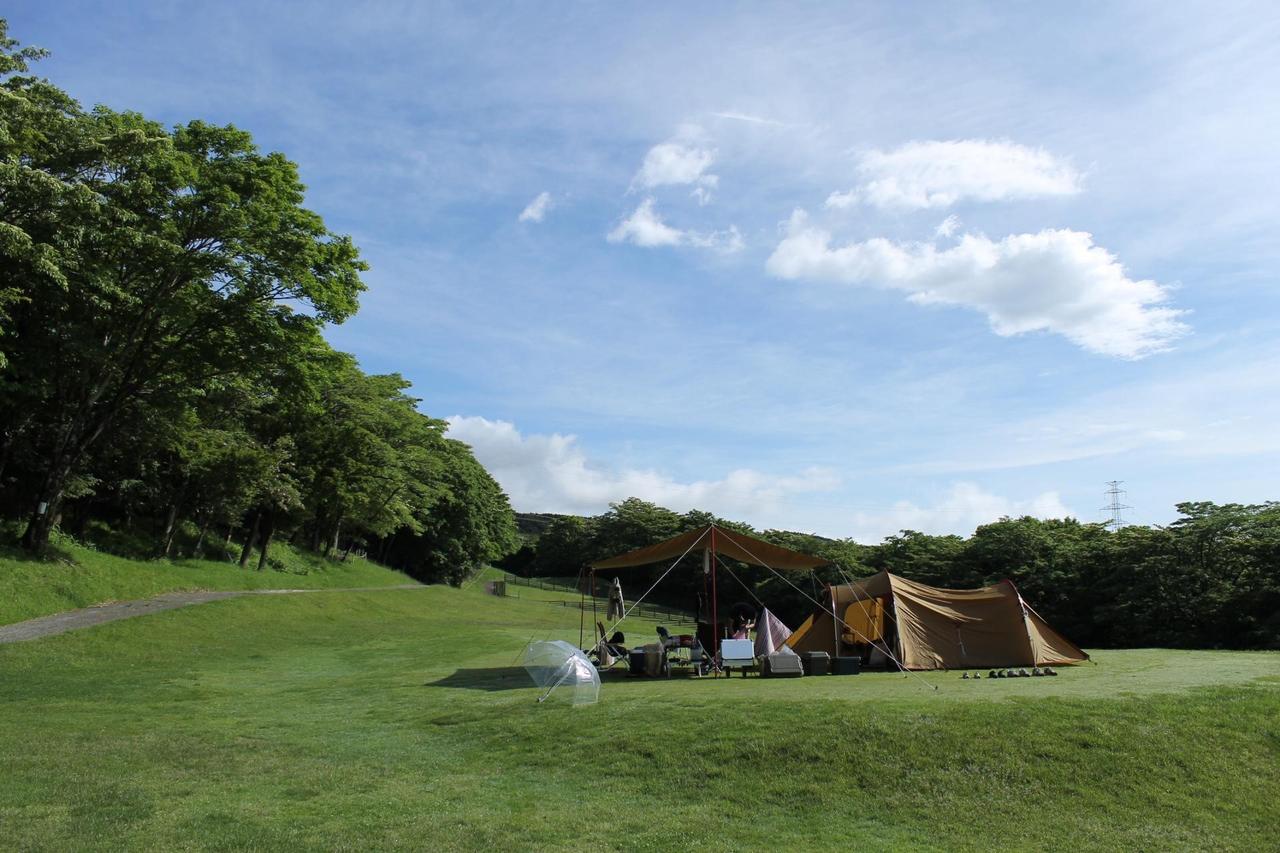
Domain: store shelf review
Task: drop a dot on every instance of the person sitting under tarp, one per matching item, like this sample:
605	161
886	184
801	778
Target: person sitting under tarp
610	651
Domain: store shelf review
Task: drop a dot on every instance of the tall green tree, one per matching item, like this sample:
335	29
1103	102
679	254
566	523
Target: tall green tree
146	261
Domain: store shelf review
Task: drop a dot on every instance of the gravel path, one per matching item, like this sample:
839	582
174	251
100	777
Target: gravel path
72	620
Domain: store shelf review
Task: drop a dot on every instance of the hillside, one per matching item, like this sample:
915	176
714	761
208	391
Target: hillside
81	576
400	720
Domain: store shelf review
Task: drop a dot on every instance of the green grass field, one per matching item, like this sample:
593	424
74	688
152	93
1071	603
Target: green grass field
79	576
399	719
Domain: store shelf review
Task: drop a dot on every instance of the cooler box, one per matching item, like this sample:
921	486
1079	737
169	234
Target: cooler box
846	666
816	663
781	665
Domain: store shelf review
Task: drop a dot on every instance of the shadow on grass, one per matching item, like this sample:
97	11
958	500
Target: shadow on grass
490	679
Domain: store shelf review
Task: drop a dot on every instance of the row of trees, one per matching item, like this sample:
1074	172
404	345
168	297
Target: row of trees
162	296
1209	579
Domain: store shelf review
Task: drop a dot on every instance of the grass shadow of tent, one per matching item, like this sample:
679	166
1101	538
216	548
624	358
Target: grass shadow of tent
490	679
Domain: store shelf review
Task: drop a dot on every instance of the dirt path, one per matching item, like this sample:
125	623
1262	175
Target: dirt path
72	620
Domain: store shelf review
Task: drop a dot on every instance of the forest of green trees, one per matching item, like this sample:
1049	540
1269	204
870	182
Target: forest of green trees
1209	579
162	368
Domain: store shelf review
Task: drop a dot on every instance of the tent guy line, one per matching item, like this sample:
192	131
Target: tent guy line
834	616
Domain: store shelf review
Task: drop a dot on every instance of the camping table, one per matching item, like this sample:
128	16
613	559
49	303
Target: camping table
675	658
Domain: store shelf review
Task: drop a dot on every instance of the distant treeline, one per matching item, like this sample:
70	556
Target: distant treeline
1209	579
162	294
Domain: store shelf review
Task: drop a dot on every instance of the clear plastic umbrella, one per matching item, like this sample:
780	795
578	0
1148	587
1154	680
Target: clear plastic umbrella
561	668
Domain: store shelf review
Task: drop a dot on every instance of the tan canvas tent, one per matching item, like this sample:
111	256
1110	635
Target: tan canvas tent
931	628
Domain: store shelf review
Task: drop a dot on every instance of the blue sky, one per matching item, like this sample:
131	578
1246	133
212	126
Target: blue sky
835	268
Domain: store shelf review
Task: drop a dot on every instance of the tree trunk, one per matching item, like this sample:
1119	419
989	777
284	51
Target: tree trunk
249	540
226	543
36	537
266	540
170	527
331	542
204	528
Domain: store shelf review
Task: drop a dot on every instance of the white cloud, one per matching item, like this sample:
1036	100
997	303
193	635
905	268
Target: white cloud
938	174
750	119
551	473
1055	280
963	508
948	226
644	227
536	210
680	161
842	201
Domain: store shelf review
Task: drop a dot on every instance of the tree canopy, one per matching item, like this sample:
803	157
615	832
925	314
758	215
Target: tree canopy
163	296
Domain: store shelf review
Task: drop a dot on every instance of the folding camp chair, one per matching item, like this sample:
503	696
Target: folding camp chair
608	655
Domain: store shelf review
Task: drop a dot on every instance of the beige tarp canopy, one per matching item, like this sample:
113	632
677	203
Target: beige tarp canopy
936	628
729	543
706	541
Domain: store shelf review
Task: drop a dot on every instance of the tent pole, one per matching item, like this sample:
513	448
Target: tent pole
715	618
582	605
593	600
835	624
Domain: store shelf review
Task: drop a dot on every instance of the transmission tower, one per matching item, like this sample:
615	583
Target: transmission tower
1114	493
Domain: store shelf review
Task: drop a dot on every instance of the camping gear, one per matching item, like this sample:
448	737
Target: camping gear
737	653
655	659
816	663
563	671
635	662
770	634
847	666
712	542
781	664
925	627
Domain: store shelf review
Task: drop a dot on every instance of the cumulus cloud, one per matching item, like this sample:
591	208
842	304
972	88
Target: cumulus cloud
1054	280
936	174
677	163
680	161
551	473
963	508
842	201
536	210
948	226
644	227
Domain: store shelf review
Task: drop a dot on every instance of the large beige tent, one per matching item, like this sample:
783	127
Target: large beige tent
930	628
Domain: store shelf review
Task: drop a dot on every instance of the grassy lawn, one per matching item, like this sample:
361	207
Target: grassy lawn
398	719
79	576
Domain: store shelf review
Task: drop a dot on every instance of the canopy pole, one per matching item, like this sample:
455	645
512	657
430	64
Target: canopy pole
715	619
582	606
835	623
593	600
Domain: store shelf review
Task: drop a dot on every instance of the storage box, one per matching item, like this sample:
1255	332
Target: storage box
846	666
781	665
816	663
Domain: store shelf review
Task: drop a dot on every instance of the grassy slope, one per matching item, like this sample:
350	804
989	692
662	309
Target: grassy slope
395	719
80	576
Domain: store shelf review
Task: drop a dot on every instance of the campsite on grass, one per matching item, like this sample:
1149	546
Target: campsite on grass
639	427
878	622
